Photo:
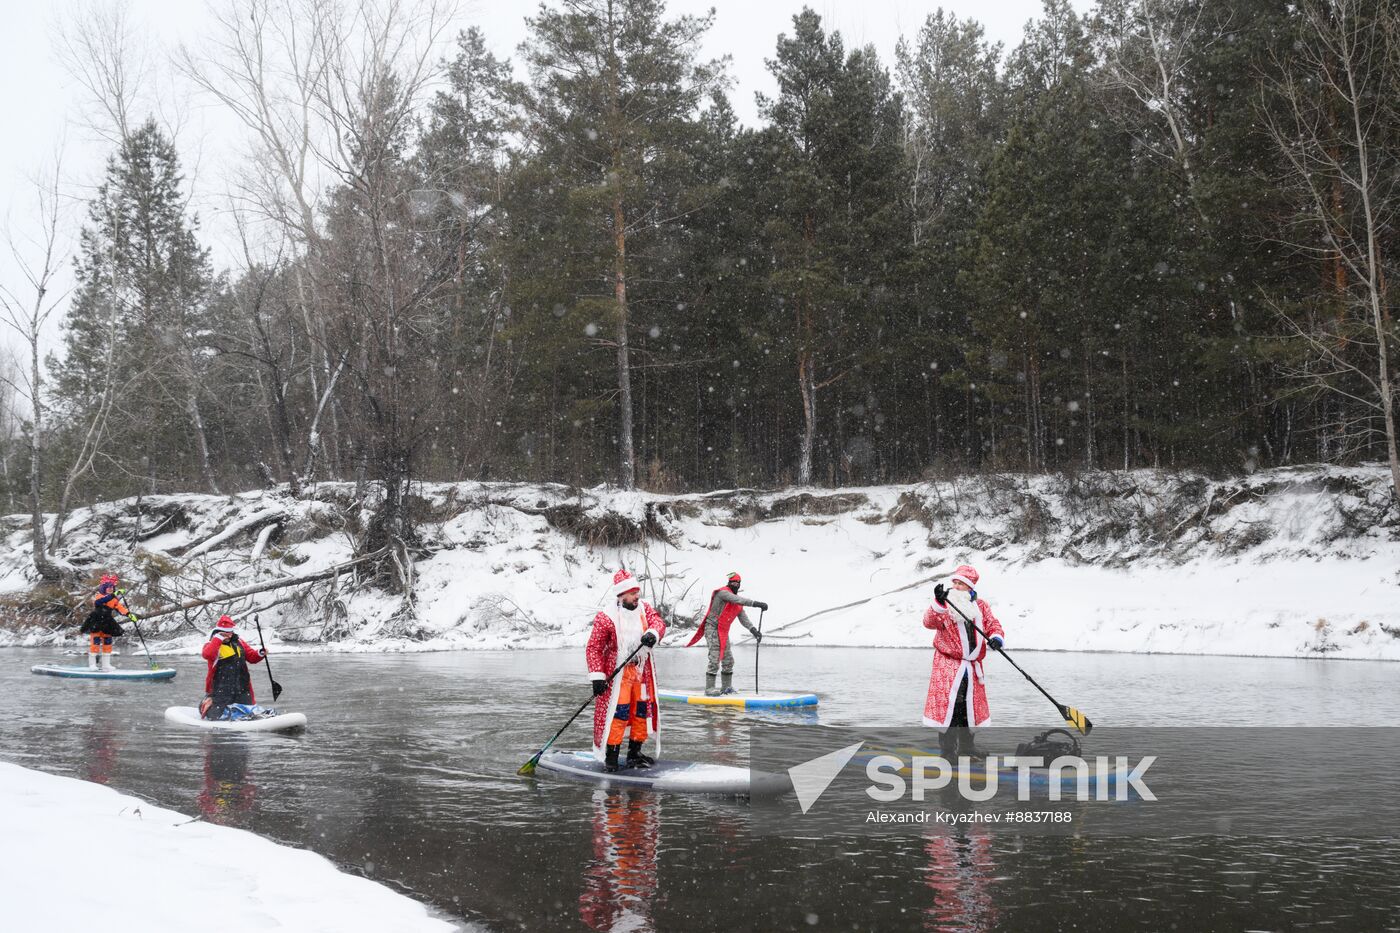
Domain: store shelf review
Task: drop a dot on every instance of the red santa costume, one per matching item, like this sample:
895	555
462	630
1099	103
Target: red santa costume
956	655
615	634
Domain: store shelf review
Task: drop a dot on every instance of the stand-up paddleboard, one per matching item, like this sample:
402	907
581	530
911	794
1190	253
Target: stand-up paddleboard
89	673
739	700
283	722
682	777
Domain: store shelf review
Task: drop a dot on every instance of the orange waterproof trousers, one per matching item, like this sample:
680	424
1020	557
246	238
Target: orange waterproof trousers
631	706
99	644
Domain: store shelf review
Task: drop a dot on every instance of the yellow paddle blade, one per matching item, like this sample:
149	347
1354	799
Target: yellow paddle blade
528	768
1078	720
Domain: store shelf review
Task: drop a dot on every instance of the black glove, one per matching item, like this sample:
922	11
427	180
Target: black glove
760	606
600	687
758	636
649	638
940	594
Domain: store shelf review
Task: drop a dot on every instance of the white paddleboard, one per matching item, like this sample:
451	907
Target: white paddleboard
739	700
189	716
683	777
88	673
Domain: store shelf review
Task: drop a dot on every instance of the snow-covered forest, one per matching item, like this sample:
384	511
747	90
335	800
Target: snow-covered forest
1155	235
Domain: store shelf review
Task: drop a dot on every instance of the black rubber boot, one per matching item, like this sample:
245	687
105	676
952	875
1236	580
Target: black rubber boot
957	743
710	690
966	746
726	684
610	759
635	758
948	744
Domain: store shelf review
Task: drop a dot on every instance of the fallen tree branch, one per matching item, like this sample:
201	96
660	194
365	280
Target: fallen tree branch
252	521
859	602
280	582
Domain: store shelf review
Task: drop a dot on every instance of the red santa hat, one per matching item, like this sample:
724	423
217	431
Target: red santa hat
966	574
225	624
624	582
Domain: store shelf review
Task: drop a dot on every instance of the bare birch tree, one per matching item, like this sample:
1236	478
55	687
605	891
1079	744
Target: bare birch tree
267	62
1147	49
1337	135
98	45
27	310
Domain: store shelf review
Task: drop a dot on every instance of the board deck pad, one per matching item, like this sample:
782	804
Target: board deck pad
684	777
738	700
87	673
283	722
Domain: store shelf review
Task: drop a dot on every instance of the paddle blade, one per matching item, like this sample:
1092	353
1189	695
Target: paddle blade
276	691
1075	718
528	768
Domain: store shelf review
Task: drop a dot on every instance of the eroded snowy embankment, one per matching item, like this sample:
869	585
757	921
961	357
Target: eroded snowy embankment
1290	562
80	856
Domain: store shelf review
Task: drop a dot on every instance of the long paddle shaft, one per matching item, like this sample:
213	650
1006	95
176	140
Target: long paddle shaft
528	767
150	661
276	687
758	644
1072	716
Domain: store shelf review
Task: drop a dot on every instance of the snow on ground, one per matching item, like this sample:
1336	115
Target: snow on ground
162	871
1301	561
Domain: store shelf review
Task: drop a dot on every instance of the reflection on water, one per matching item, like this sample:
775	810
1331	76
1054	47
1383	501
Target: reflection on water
961	869
620	881
228	789
101	739
406	774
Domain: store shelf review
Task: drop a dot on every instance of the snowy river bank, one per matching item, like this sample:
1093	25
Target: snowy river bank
80	856
1297	562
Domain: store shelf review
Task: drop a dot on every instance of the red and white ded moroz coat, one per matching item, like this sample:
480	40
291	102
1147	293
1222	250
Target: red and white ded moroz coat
615	634
954	657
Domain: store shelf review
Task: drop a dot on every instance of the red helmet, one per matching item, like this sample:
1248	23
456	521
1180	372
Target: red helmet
109	578
734	577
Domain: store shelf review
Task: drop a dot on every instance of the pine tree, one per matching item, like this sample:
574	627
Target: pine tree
613	113
836	232
955	102
139	315
462	157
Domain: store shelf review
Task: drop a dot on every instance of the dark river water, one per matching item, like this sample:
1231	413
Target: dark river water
407	775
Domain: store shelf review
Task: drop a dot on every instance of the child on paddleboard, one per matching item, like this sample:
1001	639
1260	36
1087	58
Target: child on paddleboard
101	625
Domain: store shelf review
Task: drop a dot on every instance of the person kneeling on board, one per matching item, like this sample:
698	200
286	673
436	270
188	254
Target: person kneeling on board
228	683
957	691
624	705
101	625
725	606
